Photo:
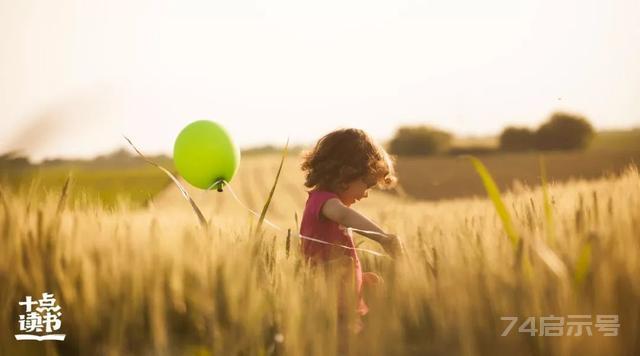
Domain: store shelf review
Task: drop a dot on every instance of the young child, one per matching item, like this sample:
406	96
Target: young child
340	170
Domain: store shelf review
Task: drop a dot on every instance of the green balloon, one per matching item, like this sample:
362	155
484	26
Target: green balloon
204	153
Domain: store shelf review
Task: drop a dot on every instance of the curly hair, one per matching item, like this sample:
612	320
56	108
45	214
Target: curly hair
345	155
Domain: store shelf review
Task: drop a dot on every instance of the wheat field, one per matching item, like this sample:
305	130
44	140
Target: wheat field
151	281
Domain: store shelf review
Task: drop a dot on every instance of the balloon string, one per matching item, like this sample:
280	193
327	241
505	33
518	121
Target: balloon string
244	205
273	225
184	192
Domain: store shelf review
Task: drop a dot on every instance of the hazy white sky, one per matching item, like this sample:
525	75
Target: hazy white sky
75	75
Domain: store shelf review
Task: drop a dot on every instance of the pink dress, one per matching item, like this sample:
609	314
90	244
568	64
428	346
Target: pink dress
317	226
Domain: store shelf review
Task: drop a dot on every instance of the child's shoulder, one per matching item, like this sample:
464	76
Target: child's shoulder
319	195
317	198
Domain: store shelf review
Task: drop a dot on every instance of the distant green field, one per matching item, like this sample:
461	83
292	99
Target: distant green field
135	185
628	140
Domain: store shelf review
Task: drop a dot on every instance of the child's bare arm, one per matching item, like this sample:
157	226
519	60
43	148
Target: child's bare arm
333	209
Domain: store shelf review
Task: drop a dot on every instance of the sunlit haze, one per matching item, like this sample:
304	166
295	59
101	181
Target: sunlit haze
76	75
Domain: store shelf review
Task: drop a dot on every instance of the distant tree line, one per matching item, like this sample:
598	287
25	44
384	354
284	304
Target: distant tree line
419	140
13	159
562	131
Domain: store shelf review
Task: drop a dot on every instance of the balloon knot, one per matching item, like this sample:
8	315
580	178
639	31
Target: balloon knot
219	184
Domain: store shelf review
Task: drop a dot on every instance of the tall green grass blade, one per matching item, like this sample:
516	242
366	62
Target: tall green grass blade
494	194
548	212
583	264
265	208
63	196
288	242
6	224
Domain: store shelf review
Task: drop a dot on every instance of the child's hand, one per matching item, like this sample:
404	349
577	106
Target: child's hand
392	245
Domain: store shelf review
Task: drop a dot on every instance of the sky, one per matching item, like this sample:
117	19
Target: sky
77	75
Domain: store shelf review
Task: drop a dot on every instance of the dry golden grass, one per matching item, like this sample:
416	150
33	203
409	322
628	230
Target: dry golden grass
152	282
